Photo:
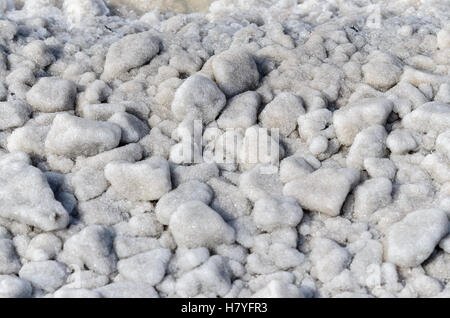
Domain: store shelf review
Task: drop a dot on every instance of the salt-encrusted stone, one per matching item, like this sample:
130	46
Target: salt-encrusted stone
129	153
52	94
156	143
38	52
350	120
9	261
169	203
240	111
73	136
411	241
380	168
432	116
14	287
43	247
259	182
198	98
133	128
146	180
324	190
282	113
13	114
91	247
132	51
88	183
235	71
443	144
279	289
45	275
401	141
369	143
328	258
382	71
201	172
127	290
101	111
370	196
149	267
443	38
294	167
194	224
228	201
276	212
36	206
409	92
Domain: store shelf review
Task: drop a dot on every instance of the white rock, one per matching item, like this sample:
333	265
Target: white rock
88	183
380	168
36	206
235	71
294	167
432	116
73	136
240	111
127	290
133	128
369	143
146	180
198	98
13	114
9	261
411	241
91	247
324	190
45	275
129	153
52	94
276	212
401	141
75	293
38	52
350	120
101	111
282	113
189	191
132	51
194	224
370	196
329	259
443	144
443	38
14	287
382	71
43	247
149	267
259	183
277	289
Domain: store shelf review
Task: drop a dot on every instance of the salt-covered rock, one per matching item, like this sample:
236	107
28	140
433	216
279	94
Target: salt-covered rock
9	261
13	114
52	94
240	111
88	183
401	141
148	267
443	144
73	136
198	98
235	71
277	289
432	116
324	190
132	51
276	212
91	247
194	224
127	290
328	259
145	180
411	241
133	128
169	203
36	206
370	196
43	247
369	143
382	71
45	275
38	52
282	113
14	287
351	119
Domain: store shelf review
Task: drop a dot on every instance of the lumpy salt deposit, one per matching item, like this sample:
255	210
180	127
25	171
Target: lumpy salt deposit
224	148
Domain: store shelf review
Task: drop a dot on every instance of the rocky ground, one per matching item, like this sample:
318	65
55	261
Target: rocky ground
131	163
